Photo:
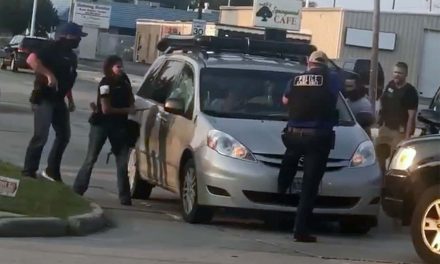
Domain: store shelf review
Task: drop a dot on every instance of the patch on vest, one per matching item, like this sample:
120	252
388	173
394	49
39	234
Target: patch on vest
309	80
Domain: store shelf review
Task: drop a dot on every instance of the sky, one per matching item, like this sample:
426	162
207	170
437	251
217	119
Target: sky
401	5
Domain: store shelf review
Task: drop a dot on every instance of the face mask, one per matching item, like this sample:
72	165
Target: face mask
70	43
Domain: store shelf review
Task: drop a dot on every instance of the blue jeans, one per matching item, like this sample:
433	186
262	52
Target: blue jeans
117	135
48	113
315	149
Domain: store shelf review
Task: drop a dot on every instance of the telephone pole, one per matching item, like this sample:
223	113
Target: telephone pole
375	54
201	6
34	15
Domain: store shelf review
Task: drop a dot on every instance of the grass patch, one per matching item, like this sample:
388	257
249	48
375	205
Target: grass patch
39	198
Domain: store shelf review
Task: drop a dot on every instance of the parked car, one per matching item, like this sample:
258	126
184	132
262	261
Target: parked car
210	118
17	51
412	186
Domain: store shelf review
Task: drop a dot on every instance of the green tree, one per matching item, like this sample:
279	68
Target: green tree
16	16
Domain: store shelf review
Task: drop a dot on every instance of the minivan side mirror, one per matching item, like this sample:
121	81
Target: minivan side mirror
175	106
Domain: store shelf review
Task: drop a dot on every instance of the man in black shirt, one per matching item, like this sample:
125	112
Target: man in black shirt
397	116
55	70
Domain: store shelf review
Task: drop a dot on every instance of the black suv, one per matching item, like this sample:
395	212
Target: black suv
412	185
17	51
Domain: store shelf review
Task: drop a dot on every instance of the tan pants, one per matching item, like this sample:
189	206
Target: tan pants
390	138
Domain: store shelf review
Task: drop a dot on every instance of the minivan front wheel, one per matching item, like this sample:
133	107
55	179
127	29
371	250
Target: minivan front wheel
192	212
425	225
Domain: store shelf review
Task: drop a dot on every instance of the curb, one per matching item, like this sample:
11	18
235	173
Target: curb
88	223
78	225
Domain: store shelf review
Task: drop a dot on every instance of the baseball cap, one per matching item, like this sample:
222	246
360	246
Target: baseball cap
318	57
70	28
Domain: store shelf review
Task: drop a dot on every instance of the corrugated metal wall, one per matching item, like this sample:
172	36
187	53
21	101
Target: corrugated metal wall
409	29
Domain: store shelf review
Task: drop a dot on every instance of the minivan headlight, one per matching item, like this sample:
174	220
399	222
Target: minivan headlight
226	145
403	159
364	156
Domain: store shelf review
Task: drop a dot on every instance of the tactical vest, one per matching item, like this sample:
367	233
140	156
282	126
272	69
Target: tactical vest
311	100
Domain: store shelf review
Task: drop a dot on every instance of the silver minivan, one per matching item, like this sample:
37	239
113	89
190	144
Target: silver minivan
210	130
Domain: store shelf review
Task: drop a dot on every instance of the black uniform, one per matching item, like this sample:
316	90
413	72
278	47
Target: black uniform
395	104
50	108
309	134
113	127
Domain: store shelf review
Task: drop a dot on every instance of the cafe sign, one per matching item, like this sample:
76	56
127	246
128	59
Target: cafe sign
278	14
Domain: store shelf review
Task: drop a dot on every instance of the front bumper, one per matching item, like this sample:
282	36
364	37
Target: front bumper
228	182
394	192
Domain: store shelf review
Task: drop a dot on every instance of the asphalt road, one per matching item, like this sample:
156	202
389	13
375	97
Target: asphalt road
152	231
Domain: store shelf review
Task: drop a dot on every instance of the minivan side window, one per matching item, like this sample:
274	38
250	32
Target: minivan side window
168	76
150	79
184	90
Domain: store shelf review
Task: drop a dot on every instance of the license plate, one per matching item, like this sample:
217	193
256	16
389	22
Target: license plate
297	185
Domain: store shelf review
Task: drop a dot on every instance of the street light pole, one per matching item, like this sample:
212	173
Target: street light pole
394	4
201	5
334	3
71	10
375	55
34	15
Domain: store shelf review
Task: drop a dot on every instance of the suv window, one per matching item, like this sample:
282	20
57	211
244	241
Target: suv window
184	89
159	88
251	94
435	104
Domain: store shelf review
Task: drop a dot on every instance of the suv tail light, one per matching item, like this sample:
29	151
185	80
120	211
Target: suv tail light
23	50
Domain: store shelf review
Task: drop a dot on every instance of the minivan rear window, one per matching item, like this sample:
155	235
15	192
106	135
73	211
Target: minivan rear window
251	94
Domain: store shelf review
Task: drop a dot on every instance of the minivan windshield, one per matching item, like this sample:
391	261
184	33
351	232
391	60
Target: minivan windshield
251	94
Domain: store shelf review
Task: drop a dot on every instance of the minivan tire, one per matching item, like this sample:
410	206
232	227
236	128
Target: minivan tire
2	64
14	67
425	205
139	188
192	212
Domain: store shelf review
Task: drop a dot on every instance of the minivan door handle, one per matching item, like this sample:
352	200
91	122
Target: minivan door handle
161	117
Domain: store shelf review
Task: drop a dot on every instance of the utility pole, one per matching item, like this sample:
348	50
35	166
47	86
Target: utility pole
201	5
334	3
394	4
375	55
71	10
34	15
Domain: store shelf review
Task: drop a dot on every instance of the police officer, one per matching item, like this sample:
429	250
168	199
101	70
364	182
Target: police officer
109	121
55	70
311	98
397	116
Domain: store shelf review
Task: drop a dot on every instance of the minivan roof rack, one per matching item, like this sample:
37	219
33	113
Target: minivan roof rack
204	44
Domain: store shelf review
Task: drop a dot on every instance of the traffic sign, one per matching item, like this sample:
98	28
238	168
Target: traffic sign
198	27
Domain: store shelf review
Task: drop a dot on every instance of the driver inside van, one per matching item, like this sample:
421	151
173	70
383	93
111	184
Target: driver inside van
229	102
